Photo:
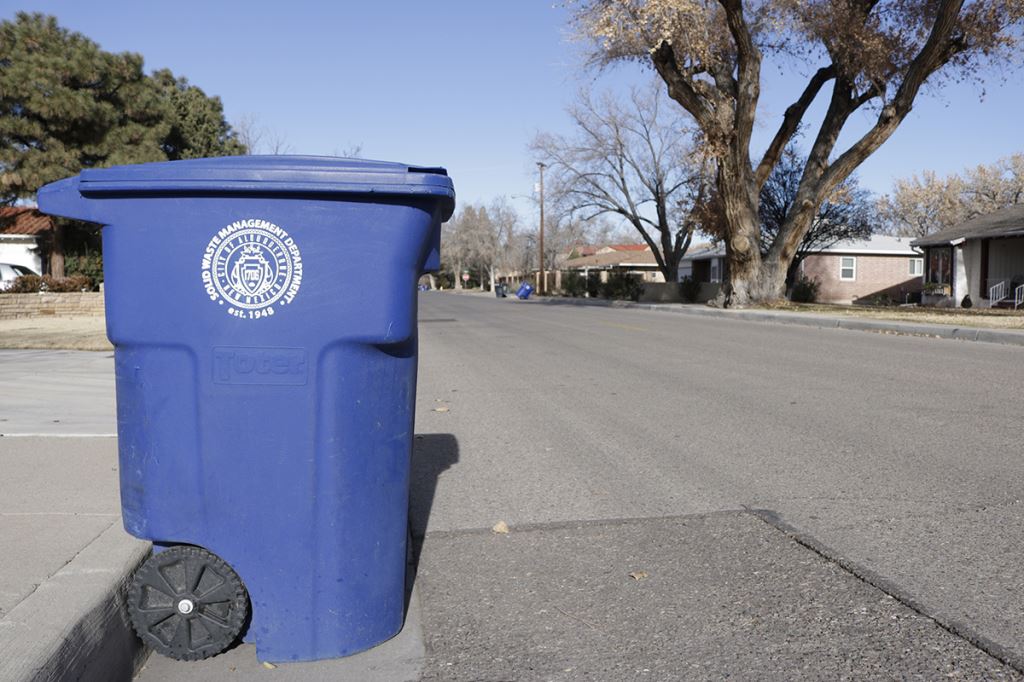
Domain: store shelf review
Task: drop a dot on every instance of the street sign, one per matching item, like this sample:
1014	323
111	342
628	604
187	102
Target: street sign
465	277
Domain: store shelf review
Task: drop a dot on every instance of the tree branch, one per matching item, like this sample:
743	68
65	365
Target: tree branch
748	72
791	122
937	50
680	88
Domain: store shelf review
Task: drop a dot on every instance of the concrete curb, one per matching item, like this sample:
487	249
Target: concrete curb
1006	337
75	625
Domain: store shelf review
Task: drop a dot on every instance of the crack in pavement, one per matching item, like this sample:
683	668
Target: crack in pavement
953	626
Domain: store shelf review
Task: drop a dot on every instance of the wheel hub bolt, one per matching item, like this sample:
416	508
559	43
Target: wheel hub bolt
185	606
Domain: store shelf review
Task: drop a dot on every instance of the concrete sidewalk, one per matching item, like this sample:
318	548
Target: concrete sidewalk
65	557
64	562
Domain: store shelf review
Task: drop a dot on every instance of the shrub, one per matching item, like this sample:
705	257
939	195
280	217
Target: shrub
65	284
574	284
26	284
689	289
86	264
805	290
31	284
621	287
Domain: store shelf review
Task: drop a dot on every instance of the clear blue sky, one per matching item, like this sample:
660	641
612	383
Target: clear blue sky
459	83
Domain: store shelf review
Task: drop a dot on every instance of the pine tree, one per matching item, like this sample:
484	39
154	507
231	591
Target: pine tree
66	105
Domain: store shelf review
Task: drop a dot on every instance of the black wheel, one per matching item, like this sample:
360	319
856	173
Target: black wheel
187	603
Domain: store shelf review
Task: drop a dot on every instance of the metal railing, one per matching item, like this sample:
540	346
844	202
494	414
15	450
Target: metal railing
997	292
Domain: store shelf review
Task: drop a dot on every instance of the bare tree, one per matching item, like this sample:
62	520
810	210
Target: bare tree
259	139
481	239
250	133
921	205
352	151
634	160
457	243
499	254
877	55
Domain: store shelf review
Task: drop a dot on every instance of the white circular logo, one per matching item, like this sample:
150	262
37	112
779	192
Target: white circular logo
251	265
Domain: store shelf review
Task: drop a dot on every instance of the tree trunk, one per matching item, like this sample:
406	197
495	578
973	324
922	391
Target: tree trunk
739	199
793	272
756	281
671	271
458	276
57	252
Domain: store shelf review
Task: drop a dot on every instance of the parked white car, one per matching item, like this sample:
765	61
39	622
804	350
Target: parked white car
10	272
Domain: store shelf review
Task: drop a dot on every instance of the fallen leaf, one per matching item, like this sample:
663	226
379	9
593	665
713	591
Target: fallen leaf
440	409
638	575
269	666
501	528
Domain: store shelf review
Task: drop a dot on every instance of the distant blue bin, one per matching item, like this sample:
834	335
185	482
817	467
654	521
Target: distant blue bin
263	312
524	291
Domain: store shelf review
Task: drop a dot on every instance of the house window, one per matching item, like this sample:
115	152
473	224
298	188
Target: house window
916	267
847	268
939	262
716	271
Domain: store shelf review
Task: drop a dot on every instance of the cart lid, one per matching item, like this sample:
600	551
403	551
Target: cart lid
263	175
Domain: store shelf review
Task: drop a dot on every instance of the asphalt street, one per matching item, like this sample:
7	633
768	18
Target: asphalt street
57	393
895	459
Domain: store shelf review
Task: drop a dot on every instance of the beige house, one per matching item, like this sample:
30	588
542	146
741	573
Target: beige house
629	259
982	258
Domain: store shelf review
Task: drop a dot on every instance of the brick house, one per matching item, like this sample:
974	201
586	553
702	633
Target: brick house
880	267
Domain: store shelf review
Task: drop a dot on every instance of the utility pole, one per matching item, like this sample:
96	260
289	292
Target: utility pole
543	279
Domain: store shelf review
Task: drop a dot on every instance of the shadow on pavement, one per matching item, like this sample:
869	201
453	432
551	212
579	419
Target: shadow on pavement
432	455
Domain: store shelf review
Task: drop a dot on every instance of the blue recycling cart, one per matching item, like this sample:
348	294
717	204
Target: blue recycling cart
263	313
524	291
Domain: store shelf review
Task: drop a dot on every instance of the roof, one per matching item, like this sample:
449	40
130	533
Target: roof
1007	222
614	258
876	245
705	252
23	220
583	250
590	249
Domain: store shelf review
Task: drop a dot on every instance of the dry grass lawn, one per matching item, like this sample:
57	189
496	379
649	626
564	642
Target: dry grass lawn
67	333
991	318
